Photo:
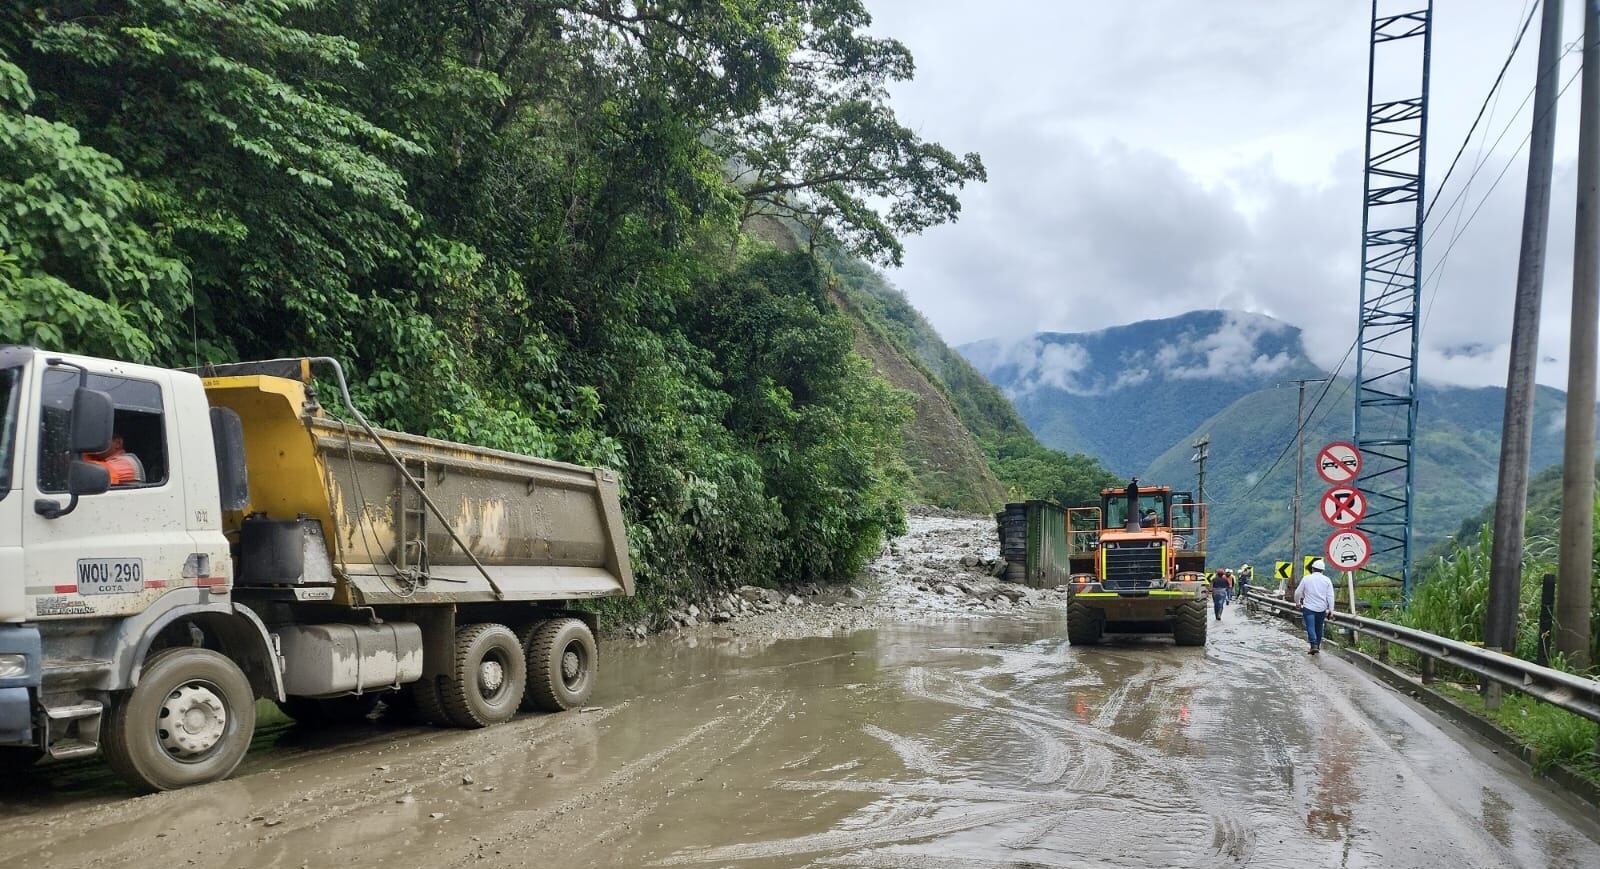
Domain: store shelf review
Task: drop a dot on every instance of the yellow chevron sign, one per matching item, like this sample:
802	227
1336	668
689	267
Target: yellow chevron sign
1283	569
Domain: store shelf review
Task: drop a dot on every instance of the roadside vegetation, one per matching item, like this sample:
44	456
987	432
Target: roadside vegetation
1451	600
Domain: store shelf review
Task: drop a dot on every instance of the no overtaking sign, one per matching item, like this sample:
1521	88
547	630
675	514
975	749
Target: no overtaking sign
1338	463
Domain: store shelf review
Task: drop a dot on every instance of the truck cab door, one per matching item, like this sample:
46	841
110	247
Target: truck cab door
118	551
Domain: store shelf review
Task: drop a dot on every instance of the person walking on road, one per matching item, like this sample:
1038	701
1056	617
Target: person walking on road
1315	597
1220	583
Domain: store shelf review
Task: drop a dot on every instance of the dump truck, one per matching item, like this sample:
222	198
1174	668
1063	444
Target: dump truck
1136	566
177	544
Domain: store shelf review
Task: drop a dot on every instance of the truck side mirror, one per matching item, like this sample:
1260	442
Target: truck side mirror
83	478
87	478
92	417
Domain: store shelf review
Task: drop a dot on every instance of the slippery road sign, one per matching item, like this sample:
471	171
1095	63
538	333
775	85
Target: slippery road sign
1343	506
1348	549
1284	568
1338	462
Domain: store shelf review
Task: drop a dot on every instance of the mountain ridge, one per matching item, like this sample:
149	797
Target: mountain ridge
1222	382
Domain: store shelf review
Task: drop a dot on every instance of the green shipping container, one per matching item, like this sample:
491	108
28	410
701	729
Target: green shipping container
1033	542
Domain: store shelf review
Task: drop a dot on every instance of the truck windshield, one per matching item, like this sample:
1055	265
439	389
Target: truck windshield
10	402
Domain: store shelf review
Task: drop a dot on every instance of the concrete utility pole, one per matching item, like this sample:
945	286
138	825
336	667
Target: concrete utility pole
1516	439
1299	474
1202	449
1577	485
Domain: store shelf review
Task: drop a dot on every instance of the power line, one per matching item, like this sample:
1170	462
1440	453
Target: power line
1493	89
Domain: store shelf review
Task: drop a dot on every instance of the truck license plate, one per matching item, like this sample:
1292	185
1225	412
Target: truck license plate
110	575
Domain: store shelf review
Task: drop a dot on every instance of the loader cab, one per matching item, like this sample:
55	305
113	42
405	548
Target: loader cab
1116	506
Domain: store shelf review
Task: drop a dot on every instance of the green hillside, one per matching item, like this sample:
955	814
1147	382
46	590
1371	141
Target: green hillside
1024	467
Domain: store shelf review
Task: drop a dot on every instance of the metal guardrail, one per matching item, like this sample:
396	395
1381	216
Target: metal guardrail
1573	693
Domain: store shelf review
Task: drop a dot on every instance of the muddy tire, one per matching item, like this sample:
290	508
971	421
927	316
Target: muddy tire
491	673
1084	627
427	705
563	663
331	711
1189	623
189	721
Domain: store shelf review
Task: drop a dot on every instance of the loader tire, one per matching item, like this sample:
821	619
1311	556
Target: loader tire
1189	624
562	665
491	673
1084	626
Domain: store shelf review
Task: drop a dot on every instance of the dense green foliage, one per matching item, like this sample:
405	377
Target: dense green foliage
514	218
1026	468
1452	596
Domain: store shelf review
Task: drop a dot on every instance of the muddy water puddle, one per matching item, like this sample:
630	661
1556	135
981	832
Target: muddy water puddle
975	742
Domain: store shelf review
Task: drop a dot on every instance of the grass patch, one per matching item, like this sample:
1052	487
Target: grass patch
1555	735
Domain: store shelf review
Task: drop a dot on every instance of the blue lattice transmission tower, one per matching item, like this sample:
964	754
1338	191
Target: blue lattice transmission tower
1391	277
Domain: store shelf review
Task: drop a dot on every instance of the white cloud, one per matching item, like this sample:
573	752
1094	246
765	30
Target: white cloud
1147	159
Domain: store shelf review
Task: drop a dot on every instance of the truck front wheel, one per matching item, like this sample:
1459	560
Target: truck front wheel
490	675
562	661
189	721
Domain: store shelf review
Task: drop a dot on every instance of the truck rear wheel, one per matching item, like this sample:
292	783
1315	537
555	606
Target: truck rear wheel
331	711
1084	626
1189	623
491	672
562	665
189	721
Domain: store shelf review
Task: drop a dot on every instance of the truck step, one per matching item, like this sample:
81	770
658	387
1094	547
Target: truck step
72	748
73	730
73	712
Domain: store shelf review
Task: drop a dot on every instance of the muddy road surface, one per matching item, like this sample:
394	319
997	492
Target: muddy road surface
961	738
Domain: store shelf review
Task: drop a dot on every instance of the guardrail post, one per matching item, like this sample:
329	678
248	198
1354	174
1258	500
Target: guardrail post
1383	651
1547	609
1427	670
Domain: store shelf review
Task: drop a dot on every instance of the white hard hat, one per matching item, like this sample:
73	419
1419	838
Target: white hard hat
1318	564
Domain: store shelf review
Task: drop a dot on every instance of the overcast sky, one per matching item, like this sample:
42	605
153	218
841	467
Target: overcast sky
1151	158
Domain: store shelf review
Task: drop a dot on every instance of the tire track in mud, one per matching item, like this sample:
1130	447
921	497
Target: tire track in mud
900	824
621	785
312	806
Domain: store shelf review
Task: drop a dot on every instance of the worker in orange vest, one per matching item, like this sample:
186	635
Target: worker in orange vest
124	467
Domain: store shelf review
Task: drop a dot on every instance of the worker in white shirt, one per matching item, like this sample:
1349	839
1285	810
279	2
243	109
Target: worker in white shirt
1315	597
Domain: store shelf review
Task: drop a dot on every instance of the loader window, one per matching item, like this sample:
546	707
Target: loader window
1116	509
10	402
138	424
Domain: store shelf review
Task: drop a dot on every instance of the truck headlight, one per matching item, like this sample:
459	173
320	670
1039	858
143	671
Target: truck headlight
13	666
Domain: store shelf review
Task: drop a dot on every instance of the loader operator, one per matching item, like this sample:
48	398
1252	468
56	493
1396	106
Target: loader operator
1150	519
124	467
